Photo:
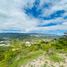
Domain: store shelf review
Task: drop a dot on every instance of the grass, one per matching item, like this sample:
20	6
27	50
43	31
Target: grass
45	65
27	58
18	49
55	57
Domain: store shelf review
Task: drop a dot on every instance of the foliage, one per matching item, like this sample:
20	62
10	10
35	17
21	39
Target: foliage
18	48
55	57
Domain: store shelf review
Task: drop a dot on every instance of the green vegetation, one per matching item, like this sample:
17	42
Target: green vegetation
22	51
55	57
45	65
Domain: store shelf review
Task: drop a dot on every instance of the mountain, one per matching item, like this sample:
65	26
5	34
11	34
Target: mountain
26	35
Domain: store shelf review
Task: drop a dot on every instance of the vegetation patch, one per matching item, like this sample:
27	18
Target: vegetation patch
55	57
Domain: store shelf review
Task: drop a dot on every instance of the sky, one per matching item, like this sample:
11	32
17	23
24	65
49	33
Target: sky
33	16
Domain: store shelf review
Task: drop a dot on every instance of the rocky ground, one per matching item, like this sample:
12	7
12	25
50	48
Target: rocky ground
46	61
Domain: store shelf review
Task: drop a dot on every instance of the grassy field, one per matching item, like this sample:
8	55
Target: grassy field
21	52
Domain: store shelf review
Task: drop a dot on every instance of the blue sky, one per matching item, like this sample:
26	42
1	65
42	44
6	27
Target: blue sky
33	16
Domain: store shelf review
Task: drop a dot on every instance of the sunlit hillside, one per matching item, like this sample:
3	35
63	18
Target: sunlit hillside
32	50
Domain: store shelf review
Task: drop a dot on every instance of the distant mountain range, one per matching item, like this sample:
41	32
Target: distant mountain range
27	35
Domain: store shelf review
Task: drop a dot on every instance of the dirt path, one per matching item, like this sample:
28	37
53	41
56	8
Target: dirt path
43	61
35	63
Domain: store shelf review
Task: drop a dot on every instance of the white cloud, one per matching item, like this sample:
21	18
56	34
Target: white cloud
12	16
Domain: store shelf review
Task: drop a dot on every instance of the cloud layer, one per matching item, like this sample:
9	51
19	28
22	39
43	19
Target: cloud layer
37	16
